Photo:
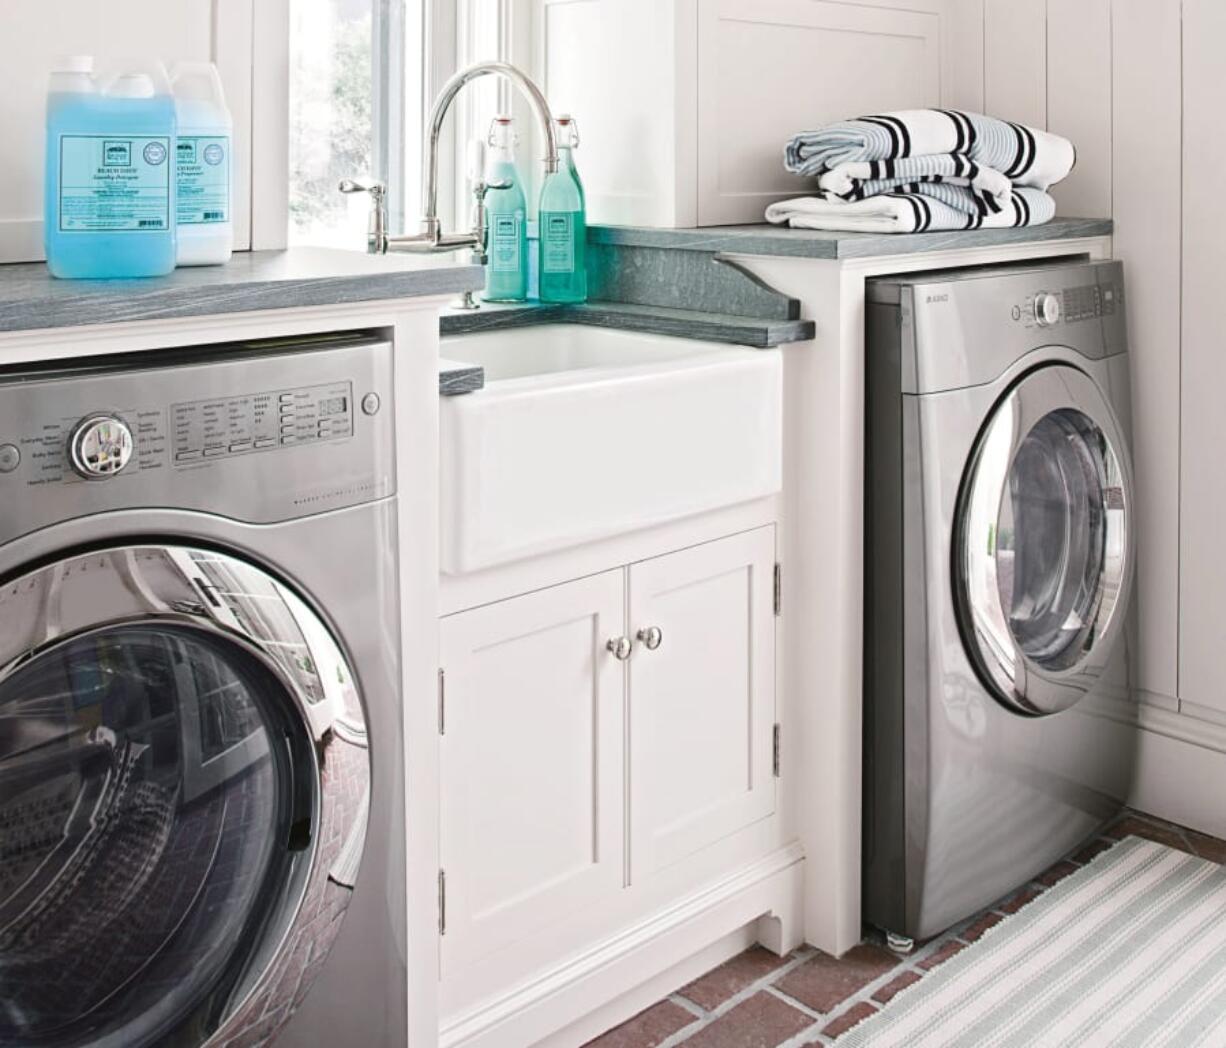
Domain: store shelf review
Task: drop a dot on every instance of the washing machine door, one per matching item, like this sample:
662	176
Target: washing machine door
1043	543
183	778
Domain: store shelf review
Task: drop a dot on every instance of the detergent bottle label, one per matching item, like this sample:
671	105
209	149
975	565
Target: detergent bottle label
203	180
114	183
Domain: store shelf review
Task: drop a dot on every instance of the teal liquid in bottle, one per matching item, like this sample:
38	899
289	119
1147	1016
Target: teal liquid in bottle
563	231
109	191
506	272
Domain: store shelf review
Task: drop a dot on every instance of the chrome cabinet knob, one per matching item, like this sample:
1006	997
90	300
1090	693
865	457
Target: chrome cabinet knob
651	638
100	446
620	647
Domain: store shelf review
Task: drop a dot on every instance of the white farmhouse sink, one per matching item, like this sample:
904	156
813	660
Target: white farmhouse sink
581	433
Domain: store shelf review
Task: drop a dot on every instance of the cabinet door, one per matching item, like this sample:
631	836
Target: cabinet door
702	704
532	817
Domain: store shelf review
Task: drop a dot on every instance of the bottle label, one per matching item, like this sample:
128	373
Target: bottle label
114	183
504	242
202	171
558	242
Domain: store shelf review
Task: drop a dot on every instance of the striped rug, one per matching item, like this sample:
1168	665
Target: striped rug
1128	951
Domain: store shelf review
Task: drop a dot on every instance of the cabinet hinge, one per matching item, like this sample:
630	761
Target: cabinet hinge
778	588
442	902
442	702
775	752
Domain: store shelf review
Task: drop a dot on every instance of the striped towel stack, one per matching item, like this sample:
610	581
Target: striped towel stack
924	169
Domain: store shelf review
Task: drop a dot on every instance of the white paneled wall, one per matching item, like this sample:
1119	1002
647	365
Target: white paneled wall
1203	432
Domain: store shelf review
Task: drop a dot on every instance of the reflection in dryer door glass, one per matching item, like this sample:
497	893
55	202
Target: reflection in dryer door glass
144	802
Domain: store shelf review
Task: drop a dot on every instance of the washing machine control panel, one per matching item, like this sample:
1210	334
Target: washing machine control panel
1047	308
251	422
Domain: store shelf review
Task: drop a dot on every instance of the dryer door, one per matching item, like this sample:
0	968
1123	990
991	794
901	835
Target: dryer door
183	777
1043	544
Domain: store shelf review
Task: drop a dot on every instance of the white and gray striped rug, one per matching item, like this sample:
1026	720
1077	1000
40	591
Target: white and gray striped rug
1128	951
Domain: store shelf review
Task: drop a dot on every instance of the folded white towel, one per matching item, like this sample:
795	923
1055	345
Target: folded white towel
1025	156
922	208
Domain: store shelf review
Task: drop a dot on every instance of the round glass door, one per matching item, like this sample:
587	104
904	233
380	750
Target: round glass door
1043	546
167	719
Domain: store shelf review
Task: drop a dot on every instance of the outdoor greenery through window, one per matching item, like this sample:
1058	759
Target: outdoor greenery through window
354	104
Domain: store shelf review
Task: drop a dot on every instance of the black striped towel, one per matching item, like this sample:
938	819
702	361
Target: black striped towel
918	207
1023	155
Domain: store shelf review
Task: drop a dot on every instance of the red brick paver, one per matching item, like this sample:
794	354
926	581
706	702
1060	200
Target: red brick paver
647	1029
730	978
856	1013
761	1021
823	983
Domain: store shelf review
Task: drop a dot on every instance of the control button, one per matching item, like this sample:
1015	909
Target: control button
1046	309
266	442
10	457
213	450
287	416
370	404
100	447
286	398
241	445
1017	312
288	430
187	456
289	438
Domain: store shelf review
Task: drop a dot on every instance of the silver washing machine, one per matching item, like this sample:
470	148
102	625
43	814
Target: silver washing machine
201	787
999	561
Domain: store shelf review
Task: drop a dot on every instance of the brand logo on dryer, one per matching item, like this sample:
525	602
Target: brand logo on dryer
941	297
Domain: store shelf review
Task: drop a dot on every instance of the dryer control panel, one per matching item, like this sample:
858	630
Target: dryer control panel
1046	308
215	429
261	421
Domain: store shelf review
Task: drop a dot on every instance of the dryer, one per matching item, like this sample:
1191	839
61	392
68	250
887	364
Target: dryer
201	788
999	565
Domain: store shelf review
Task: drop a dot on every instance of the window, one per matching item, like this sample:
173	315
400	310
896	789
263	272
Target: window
357	71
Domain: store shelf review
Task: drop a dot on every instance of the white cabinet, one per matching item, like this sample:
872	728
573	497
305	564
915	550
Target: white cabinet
702	703
535	713
532	806
694	134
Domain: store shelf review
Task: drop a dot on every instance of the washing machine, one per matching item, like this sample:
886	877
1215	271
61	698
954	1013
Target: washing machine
999	563
201	787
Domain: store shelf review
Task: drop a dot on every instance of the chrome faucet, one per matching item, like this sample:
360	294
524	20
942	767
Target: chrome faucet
432	237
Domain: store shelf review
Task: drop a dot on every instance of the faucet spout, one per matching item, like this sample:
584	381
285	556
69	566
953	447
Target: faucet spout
431	237
536	99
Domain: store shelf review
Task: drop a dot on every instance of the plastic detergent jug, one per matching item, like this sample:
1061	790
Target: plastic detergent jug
109	186
204	220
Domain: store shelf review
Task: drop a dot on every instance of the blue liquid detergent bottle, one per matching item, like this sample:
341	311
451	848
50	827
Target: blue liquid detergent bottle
506	273
110	186
563	227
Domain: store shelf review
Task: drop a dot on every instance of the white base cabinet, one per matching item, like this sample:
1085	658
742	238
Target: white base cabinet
546	732
702	703
531	755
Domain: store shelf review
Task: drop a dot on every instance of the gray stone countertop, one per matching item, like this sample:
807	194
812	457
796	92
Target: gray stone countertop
757	332
809	243
31	298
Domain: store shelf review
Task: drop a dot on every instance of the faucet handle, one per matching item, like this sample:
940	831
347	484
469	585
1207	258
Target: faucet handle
376	231
363	185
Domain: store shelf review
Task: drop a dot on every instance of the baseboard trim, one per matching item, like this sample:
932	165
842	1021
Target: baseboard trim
1178	777
586	982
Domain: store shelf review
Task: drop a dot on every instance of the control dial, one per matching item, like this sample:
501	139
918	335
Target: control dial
1046	309
100	446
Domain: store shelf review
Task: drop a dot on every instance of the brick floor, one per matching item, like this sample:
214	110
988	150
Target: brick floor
758	1000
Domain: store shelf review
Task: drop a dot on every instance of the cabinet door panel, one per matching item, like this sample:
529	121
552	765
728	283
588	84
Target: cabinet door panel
702	703
532	820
